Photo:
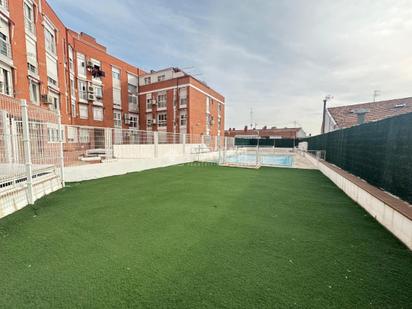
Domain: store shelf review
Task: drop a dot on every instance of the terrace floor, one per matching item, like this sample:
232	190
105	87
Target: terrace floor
201	236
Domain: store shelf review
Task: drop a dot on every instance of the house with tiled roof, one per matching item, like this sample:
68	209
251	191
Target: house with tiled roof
265	132
351	115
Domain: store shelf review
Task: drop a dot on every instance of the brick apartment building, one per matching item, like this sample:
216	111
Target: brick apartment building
57	68
172	100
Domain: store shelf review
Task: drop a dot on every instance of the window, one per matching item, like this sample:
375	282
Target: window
81	64
5	82
29	18
133	121
71	64
117	97
50	37
98	92
183	97
162	119
84	136
116	73
98	113
147	80
74	107
53	133
161	77
161	100
183	119
55	101
132	98
149	101
31	68
208	105
82	90
149	121
219	109
72	88
34	92
83	111
5	48
52	73
72	134
132	89
117	116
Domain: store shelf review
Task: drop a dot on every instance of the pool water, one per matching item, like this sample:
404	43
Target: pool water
266	160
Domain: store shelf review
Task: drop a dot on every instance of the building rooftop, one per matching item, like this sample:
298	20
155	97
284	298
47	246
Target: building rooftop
347	116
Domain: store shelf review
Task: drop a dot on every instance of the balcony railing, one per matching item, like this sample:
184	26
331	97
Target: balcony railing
4	4
5	48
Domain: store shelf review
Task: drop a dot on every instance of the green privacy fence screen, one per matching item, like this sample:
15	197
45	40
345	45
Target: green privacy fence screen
378	152
264	142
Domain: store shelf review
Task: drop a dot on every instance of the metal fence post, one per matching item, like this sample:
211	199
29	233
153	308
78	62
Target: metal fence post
155	143
184	142
224	149
27	151
61	158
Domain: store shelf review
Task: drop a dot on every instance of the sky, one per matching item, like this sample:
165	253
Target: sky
278	58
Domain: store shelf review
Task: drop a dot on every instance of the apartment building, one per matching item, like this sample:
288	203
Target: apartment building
56	68
174	101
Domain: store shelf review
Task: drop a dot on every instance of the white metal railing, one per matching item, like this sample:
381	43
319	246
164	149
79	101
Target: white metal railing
5	48
30	153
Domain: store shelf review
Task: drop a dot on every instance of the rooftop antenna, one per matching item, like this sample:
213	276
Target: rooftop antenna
376	93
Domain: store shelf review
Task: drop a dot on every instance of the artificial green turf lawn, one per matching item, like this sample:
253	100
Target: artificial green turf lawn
201	236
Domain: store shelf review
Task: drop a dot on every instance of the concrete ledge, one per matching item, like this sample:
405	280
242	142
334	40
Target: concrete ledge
124	166
393	213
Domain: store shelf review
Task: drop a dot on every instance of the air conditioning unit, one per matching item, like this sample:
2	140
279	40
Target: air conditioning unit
154	102
153	121
50	99
90	64
90	88
91	97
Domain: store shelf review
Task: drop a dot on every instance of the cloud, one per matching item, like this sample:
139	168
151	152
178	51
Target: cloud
278	57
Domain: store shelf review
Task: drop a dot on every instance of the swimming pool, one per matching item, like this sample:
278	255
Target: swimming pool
264	159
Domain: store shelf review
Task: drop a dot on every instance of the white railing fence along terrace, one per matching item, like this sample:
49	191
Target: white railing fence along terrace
36	149
31	154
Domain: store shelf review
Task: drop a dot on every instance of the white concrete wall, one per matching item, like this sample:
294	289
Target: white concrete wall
15	199
148	151
391	219
129	165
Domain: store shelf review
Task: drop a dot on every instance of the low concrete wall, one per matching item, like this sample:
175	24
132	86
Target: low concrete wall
124	166
149	151
16	198
393	220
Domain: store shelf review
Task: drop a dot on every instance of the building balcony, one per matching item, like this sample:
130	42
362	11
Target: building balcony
5	48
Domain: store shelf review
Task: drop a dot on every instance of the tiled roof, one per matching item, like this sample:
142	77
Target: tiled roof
345	116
